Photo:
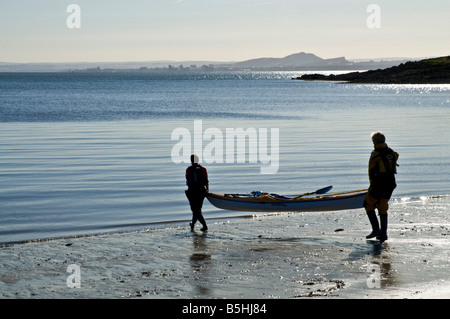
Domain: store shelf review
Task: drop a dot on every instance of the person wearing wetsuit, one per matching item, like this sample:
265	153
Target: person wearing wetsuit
198	187
382	170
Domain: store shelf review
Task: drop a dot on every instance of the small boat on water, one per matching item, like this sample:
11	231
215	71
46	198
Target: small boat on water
316	201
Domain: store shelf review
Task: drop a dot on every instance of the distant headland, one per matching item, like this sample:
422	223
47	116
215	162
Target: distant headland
428	71
295	62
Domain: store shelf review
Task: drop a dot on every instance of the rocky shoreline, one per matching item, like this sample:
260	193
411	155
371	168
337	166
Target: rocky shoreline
428	71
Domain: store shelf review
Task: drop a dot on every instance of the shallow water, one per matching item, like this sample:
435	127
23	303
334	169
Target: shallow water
83	154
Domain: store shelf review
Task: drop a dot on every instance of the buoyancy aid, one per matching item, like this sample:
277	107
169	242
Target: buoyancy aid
195	177
382	169
385	162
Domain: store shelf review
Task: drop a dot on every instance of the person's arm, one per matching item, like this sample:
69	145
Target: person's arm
205	173
187	173
372	164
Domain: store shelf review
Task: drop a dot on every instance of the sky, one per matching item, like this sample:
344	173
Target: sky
220	30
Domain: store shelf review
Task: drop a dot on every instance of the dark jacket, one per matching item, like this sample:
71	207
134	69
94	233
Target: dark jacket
382	170
197	177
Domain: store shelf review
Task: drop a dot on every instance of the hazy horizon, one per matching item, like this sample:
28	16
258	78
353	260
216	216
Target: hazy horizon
165	62
49	31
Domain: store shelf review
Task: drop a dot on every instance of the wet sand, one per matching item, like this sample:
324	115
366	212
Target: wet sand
285	256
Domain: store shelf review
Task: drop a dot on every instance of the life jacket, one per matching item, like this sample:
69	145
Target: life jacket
382	174
388	163
196	178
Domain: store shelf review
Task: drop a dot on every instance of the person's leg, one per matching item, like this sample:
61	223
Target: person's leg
196	202
370	204
383	212
202	221
374	223
192	203
201	198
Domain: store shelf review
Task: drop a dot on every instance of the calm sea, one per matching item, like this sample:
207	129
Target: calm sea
92	153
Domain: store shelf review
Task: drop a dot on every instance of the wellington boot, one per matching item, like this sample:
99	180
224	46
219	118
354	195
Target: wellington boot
203	222
383	231
374	222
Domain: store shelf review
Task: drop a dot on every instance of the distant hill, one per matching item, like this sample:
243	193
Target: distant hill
300	60
428	71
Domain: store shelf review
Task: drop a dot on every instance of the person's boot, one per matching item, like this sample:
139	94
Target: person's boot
383	232
192	224
203	222
374	222
204	228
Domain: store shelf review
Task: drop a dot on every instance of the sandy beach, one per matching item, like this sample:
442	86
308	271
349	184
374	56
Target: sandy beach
284	256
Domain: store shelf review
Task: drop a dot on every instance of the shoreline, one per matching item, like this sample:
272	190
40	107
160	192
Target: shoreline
284	256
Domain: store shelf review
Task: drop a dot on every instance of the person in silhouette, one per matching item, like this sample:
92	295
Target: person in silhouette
382	170
198	187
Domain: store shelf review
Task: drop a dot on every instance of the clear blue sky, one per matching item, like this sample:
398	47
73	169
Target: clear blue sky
220	30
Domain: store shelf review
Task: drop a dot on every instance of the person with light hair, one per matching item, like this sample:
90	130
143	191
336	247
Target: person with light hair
198	187
382	170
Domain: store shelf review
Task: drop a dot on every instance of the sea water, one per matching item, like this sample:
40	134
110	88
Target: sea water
92	153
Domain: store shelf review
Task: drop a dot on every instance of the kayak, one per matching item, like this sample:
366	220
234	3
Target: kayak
269	202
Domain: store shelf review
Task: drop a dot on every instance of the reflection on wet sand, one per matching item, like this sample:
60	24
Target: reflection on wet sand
280	256
201	263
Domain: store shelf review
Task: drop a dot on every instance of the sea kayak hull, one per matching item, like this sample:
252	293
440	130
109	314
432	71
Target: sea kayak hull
289	203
